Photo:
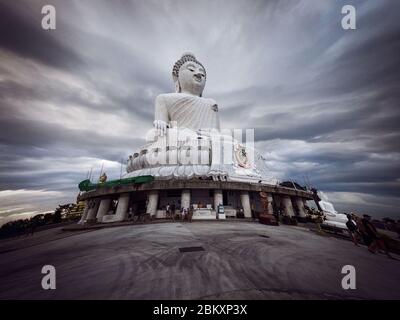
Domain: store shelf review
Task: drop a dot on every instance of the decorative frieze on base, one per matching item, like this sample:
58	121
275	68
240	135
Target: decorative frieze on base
204	214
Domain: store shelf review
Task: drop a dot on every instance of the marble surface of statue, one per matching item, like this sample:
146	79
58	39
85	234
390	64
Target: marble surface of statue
186	140
186	107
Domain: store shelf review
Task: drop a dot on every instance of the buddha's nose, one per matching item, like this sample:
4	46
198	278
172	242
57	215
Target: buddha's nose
198	75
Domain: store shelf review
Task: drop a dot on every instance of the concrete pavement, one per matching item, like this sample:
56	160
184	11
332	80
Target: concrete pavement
239	261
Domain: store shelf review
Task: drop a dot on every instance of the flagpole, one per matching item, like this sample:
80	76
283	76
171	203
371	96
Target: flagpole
120	174
101	170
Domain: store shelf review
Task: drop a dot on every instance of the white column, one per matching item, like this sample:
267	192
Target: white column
300	206
218	199
85	212
245	199
153	202
94	206
185	199
270	207
103	209
287	206
122	208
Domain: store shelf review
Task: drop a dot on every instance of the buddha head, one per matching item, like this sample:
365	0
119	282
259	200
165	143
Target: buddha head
189	75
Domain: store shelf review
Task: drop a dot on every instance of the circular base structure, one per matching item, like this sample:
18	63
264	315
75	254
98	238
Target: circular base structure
204	199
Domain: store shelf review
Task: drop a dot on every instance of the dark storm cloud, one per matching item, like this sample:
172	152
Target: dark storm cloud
60	95
307	125
374	65
62	180
21	33
324	101
27	134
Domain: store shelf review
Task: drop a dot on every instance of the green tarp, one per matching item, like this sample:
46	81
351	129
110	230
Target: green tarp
86	185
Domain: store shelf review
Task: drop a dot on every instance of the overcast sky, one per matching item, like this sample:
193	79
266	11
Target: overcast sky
324	102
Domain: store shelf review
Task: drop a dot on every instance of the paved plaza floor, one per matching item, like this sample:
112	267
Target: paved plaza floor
199	260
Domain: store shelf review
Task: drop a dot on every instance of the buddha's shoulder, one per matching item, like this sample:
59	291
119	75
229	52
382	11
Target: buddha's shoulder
167	95
167	98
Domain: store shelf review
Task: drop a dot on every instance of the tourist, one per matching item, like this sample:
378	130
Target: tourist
241	213
361	229
352	227
168	210
190	214
173	210
377	242
32	226
275	211
253	212
398	228
183	212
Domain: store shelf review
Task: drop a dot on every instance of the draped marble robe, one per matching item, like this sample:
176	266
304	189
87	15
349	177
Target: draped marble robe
187	111
197	115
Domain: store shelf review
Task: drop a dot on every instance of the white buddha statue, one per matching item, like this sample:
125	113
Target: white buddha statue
194	121
186	107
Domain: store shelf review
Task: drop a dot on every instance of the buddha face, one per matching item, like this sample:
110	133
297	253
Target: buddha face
192	78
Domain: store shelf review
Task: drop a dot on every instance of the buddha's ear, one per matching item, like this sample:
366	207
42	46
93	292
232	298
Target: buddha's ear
177	87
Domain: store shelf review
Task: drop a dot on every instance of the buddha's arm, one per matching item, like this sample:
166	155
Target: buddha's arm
215	107
161	116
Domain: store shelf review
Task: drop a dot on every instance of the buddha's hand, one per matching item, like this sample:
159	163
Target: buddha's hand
203	133
161	127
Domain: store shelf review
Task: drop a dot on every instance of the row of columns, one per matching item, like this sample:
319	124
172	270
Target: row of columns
288	209
96	209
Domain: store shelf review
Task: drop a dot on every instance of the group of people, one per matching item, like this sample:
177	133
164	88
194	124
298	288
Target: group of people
185	213
363	229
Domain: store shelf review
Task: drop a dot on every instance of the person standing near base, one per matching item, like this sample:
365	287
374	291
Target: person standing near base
253	212
377	241
190	214
184	213
352	227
